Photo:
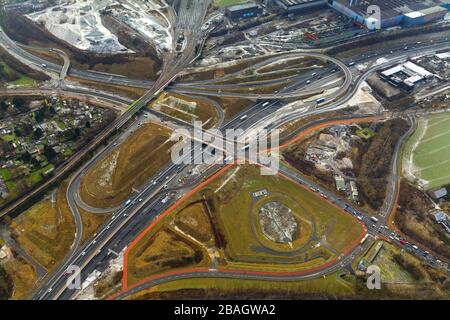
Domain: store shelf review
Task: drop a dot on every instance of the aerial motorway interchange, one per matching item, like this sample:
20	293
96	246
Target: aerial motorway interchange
94	206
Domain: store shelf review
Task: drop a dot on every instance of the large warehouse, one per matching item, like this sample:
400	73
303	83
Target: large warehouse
393	13
291	6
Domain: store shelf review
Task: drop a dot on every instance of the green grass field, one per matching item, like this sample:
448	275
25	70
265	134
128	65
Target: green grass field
5	174
336	284
324	231
22	81
36	176
332	230
366	133
429	151
227	3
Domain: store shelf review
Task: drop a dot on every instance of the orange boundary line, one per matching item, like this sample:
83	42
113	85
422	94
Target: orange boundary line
231	271
125	286
391	214
163	215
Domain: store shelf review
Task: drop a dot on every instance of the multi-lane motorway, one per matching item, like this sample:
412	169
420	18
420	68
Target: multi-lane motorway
190	19
373	230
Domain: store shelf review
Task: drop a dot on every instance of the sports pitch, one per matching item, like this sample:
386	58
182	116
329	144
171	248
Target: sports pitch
427	153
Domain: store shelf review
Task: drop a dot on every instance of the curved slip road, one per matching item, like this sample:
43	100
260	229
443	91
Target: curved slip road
257	114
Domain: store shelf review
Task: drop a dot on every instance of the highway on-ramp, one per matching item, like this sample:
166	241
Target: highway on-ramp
97	252
129	220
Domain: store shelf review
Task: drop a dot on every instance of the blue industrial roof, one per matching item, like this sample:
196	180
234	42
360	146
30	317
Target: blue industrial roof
243	6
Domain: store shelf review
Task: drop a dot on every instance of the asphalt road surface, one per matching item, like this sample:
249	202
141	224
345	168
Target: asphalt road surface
153	198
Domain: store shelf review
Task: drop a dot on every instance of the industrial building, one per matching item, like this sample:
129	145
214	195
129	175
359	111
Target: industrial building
294	6
424	16
406	75
243	11
393	13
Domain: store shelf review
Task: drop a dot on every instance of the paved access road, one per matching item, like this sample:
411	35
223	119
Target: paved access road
131	219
